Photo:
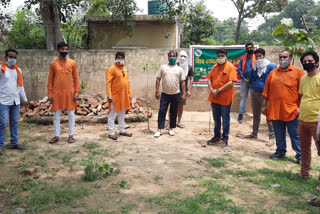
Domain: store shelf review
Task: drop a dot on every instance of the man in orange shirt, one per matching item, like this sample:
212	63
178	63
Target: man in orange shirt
282	92
63	90
221	84
119	95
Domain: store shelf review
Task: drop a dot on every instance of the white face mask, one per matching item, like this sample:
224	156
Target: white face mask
260	64
221	61
120	61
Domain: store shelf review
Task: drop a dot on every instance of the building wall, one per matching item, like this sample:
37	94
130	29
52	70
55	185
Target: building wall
93	64
144	35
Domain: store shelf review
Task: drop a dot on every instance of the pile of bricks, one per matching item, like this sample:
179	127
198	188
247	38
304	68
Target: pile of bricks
86	106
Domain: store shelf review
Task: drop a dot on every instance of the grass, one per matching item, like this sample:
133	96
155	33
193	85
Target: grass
216	162
91	145
53	197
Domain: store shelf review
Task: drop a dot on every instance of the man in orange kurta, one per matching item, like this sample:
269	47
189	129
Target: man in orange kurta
119	95
281	90
63	90
221	84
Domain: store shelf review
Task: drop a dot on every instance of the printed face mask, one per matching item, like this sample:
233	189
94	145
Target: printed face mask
63	54
284	64
221	60
172	60
120	61
11	62
308	66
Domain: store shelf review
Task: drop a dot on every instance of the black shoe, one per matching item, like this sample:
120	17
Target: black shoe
276	156
298	162
240	118
213	141
17	146
1	151
224	143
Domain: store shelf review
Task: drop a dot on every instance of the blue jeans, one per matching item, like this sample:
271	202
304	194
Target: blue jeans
219	111
244	91
12	113
279	127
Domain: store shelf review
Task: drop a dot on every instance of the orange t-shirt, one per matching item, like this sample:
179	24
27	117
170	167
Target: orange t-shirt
219	76
282	91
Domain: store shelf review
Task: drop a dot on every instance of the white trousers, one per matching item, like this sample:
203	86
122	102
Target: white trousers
56	122
112	118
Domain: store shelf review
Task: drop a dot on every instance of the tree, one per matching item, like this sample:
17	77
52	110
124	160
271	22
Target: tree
199	24
56	12
250	8
26	31
295	40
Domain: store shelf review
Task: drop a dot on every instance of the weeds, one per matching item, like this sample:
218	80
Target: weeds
95	169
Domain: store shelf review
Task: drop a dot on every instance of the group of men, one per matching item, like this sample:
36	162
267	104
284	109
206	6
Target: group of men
288	97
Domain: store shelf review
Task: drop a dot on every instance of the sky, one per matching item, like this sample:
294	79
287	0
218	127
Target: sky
221	9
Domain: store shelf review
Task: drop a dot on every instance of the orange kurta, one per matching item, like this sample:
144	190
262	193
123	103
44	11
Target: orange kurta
282	91
219	77
63	84
118	87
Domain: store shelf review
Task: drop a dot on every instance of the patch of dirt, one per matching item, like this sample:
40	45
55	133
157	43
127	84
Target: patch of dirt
151	166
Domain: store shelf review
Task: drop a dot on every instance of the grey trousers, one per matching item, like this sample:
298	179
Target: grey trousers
256	103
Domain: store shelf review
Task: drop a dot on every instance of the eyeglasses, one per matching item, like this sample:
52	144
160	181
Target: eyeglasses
183	56
124	74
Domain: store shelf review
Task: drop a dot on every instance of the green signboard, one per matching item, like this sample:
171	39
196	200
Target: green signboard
204	57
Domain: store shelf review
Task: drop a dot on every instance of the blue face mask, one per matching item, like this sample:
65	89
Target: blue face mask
63	54
172	60
11	62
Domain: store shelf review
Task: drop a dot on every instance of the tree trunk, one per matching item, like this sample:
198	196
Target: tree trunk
237	35
51	23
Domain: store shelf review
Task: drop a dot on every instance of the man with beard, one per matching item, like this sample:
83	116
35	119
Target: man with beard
310	102
245	66
257	78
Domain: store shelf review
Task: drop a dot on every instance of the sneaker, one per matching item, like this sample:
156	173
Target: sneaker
276	156
214	140
1	151
17	146
224	143
171	133
157	134
240	118
298	162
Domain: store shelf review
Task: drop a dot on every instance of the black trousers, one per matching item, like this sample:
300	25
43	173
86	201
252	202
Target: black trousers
165	100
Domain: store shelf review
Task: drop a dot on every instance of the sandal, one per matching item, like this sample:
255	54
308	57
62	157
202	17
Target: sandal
180	126
113	137
314	202
126	134
251	136
54	140
71	139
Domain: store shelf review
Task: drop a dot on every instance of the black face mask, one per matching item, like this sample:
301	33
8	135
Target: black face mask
309	66
249	51
63	54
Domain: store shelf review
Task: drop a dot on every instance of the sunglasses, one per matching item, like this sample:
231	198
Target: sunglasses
183	57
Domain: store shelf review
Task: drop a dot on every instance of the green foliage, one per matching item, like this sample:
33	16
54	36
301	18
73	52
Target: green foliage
83	85
26	32
295	40
95	169
198	24
250	8
216	162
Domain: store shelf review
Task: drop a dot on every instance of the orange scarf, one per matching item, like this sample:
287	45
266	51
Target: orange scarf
245	59
3	69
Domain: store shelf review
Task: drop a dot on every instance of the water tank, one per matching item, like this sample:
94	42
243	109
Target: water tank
156	6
